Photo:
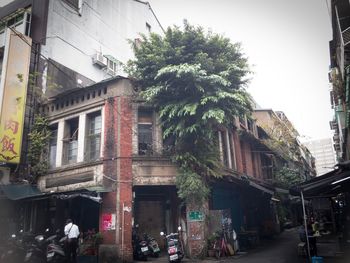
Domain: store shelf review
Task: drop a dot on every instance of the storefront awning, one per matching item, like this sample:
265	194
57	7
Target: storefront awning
26	191
260	187
329	184
20	191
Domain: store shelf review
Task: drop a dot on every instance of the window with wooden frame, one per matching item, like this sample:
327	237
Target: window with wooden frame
145	132
53	146
70	141
93	136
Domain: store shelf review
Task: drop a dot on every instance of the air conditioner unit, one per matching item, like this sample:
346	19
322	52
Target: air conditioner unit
4	175
99	59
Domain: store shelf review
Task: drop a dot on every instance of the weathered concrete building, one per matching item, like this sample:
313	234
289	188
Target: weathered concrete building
324	153
288	147
109	168
339	79
51	48
108	147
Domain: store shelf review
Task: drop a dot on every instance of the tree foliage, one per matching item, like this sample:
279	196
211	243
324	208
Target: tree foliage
196	80
283	139
38	143
288	177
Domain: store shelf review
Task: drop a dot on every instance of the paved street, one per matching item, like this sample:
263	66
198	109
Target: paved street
281	249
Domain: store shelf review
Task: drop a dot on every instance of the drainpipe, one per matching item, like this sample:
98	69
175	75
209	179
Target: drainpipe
123	220
305	226
125	209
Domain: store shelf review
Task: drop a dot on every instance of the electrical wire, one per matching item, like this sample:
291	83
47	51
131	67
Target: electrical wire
114	107
45	58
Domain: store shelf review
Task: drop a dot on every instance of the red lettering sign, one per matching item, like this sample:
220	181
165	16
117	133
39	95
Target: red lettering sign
12	125
7	144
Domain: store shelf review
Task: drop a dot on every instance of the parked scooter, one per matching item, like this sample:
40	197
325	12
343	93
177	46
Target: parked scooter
55	249
152	244
140	247
36	249
15	248
174	246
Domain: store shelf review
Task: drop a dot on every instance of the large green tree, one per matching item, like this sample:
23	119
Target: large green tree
196	80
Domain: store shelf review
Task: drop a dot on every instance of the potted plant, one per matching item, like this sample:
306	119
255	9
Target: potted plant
211	241
88	250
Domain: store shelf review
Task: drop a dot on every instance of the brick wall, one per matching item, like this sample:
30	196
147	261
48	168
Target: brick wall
197	232
109	169
125	177
117	169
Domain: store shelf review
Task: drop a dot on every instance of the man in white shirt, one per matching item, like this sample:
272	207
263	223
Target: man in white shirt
72	232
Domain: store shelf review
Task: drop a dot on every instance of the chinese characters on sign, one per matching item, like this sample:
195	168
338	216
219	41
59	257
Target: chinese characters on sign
108	222
14	85
195	216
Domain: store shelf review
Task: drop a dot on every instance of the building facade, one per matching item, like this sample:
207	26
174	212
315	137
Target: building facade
48	48
108	166
285	142
324	154
339	77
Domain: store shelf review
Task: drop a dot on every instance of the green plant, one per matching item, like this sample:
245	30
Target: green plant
211	240
37	151
91	243
287	177
196	80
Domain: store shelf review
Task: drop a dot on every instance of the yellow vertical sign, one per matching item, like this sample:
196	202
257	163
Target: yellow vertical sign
15	81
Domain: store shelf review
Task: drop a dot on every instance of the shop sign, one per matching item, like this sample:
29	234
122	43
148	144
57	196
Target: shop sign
13	91
195	216
108	222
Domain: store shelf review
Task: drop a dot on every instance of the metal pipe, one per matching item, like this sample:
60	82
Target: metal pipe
123	220
305	226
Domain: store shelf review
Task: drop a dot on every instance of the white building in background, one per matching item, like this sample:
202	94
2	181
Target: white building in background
79	42
324	154
96	34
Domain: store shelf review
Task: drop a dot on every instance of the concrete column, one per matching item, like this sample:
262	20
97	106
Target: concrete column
135	143
233	152
102	133
157	134
81	137
220	147
228	150
60	136
197	230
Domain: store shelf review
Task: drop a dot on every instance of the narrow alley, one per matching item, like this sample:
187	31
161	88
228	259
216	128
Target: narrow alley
281	249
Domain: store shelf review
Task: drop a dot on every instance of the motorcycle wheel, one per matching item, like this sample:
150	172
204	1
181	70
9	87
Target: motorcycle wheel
156	255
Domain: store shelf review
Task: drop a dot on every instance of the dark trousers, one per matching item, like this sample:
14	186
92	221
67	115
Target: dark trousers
71	249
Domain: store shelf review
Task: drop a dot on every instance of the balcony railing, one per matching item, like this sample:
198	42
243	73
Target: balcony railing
333	124
346	36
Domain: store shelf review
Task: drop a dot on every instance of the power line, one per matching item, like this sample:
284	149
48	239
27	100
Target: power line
41	55
114	107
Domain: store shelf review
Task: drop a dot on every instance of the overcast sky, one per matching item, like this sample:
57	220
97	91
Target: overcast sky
286	43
